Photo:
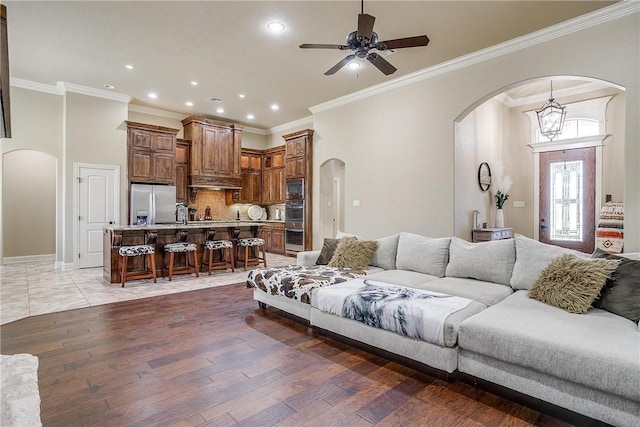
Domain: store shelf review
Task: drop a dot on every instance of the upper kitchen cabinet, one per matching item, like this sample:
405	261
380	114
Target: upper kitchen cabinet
214	152
182	171
251	176
273	176
151	153
298	150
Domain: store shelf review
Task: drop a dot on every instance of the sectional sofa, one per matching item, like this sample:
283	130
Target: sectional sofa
586	363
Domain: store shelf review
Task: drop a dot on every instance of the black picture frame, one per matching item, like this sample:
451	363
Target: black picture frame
484	176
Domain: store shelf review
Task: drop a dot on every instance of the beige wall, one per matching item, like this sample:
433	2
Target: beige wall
29	203
398	145
151	119
96	133
37	128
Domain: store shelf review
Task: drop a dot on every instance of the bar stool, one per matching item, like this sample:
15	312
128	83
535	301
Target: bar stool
138	250
252	242
182	247
225	247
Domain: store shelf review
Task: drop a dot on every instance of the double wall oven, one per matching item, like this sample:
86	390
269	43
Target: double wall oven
294	217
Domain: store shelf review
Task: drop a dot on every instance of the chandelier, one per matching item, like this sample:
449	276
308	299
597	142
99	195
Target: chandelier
551	117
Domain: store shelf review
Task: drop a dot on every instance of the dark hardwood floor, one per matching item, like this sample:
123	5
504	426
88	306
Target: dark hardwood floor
211	358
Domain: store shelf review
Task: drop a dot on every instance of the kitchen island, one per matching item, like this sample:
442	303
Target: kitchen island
160	234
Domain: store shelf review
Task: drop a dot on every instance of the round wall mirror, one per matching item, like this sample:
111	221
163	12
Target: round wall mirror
484	176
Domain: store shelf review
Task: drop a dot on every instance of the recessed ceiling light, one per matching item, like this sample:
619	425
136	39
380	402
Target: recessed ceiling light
109	86
194	83
129	67
189	104
220	110
250	116
275	27
275	107
241	95
353	65
152	95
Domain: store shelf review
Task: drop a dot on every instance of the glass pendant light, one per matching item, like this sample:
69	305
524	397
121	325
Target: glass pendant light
551	117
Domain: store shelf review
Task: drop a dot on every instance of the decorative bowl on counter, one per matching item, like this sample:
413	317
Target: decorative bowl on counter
255	212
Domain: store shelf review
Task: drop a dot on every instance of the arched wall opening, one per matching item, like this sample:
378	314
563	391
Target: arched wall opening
496	129
29	195
332	173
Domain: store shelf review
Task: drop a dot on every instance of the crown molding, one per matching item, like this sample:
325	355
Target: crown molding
600	16
156	112
290	125
89	91
38	87
257	131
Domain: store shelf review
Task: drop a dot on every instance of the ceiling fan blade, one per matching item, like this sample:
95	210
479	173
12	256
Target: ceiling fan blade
339	65
404	42
365	25
381	63
323	46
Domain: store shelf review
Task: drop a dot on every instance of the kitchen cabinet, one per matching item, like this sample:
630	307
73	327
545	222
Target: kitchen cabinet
214	158
273	176
151	153
182	171
299	164
273	235
251	176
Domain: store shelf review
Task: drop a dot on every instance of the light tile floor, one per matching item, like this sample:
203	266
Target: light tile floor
30	289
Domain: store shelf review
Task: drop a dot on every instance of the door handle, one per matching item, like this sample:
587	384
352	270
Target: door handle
110	222
542	225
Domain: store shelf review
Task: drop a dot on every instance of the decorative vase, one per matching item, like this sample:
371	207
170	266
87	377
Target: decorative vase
499	218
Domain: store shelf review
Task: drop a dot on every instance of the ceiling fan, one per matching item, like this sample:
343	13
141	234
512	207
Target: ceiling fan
365	39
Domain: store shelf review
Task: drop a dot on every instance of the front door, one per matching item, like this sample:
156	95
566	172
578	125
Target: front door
567	198
97	207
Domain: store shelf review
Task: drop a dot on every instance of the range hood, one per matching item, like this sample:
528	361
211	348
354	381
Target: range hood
216	187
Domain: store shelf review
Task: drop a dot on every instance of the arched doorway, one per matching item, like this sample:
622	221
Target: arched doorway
29	192
332	174
498	129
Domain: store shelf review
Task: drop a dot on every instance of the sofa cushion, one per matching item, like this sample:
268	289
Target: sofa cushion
407	278
353	253
598	349
531	258
621	293
423	254
489	261
328	249
487	293
385	255
571	283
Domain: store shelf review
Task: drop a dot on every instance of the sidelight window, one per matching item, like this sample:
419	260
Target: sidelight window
566	201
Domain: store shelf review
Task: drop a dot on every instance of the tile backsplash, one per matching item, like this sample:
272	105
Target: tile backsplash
215	199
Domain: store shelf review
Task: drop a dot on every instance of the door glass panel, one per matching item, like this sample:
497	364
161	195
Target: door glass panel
566	202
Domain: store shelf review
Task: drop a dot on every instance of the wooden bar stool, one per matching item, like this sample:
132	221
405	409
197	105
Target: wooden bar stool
138	250
250	243
187	248
226	254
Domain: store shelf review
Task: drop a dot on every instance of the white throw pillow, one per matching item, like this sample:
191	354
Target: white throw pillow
423	254
340	235
385	255
489	261
532	257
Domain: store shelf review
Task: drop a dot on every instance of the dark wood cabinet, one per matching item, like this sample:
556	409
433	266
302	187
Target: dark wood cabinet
214	152
299	164
251	176
273	180
151	153
182	171
273	235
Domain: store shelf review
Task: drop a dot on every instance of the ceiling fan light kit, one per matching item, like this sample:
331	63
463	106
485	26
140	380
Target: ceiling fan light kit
363	40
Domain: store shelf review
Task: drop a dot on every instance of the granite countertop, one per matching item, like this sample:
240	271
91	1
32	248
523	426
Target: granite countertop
193	224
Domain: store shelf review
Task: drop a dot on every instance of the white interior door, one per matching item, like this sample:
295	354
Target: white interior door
97	206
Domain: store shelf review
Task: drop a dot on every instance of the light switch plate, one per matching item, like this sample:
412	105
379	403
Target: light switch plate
356	203
518	203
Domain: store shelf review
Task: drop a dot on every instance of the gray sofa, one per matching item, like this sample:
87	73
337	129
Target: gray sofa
586	363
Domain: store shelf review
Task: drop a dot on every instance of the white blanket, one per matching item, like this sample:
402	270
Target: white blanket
406	311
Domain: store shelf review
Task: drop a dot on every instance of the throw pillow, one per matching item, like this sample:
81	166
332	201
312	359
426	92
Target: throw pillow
326	253
353	253
531	258
621	292
385	255
341	234
489	261
572	283
423	254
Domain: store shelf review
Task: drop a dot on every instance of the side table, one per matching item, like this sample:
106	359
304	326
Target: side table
487	234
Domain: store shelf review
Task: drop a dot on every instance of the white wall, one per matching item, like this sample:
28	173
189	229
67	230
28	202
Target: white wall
398	146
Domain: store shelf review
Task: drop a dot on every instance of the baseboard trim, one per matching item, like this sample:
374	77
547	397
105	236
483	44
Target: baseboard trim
28	258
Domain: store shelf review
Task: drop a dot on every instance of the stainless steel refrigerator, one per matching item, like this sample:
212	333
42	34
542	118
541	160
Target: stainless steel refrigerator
152	204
